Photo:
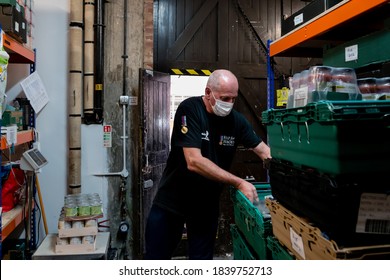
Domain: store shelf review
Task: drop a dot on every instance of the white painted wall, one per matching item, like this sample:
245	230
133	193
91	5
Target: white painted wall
50	41
51	20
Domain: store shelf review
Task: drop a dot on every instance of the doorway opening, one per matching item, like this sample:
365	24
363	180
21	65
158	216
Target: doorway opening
183	87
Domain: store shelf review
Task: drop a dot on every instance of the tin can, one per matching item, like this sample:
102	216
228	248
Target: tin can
88	239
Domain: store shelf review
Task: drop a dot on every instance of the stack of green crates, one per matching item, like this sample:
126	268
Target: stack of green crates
253	222
241	250
334	137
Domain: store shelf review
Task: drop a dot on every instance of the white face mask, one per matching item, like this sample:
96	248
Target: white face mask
221	108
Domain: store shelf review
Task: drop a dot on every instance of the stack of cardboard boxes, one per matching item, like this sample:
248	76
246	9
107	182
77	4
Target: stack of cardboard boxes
16	19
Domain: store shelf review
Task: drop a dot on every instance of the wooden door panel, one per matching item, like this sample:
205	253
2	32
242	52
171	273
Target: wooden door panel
154	142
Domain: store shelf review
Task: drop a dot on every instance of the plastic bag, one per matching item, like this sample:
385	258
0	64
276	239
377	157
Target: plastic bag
4	57
12	191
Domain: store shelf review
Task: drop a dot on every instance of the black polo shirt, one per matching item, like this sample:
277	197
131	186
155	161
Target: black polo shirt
185	192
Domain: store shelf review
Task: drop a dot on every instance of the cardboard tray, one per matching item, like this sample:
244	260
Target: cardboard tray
307	242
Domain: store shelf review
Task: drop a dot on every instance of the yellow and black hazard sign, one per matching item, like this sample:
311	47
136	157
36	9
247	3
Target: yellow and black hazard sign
191	72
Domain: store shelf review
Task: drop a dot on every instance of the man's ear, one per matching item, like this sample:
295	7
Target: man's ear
207	92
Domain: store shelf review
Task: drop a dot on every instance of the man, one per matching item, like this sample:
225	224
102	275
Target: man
205	136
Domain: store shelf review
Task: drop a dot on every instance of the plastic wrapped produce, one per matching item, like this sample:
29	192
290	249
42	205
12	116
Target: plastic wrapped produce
294	84
323	83
367	87
383	88
319	82
301	93
344	80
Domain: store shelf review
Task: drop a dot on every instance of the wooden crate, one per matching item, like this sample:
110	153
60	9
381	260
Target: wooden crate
75	248
72	232
63	243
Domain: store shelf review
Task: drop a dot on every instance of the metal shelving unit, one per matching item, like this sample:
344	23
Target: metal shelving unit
344	22
349	22
12	219
18	52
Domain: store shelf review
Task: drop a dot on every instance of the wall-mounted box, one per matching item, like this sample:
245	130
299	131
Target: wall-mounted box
305	14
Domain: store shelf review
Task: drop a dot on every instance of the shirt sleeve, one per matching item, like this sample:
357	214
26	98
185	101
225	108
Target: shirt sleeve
187	126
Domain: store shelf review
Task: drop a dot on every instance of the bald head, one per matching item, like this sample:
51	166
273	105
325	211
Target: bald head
221	80
222	85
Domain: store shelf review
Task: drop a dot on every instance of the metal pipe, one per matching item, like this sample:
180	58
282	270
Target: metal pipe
124	101
75	103
89	62
99	61
124	56
124	172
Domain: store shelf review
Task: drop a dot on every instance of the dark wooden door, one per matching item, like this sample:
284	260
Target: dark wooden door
154	142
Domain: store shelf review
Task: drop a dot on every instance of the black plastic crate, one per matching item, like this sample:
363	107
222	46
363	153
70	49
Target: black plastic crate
348	209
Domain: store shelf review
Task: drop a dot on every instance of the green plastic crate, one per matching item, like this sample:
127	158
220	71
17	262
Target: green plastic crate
7	2
278	251
241	250
254	222
334	137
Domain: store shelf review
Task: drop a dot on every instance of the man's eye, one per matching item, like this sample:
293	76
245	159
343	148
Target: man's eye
228	100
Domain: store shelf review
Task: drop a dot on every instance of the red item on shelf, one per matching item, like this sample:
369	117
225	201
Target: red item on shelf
12	188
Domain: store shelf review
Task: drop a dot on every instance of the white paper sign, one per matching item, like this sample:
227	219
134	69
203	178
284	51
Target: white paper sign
298	19
35	91
297	243
351	53
374	213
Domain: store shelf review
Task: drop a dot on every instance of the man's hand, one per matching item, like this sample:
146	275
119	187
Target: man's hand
249	190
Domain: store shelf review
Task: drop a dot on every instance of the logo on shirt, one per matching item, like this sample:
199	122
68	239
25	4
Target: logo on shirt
205	136
226	140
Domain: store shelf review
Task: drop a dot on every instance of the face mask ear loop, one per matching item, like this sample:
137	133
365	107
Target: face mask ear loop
212	94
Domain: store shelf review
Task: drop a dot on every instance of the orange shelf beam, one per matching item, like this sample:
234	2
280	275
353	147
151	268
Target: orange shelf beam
24	136
17	51
12	219
327	21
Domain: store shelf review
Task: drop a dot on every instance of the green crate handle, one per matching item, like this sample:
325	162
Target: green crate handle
328	111
299	133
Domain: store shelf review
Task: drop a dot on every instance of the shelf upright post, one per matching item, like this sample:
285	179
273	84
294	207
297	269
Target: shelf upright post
1	202
270	79
270	86
32	242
